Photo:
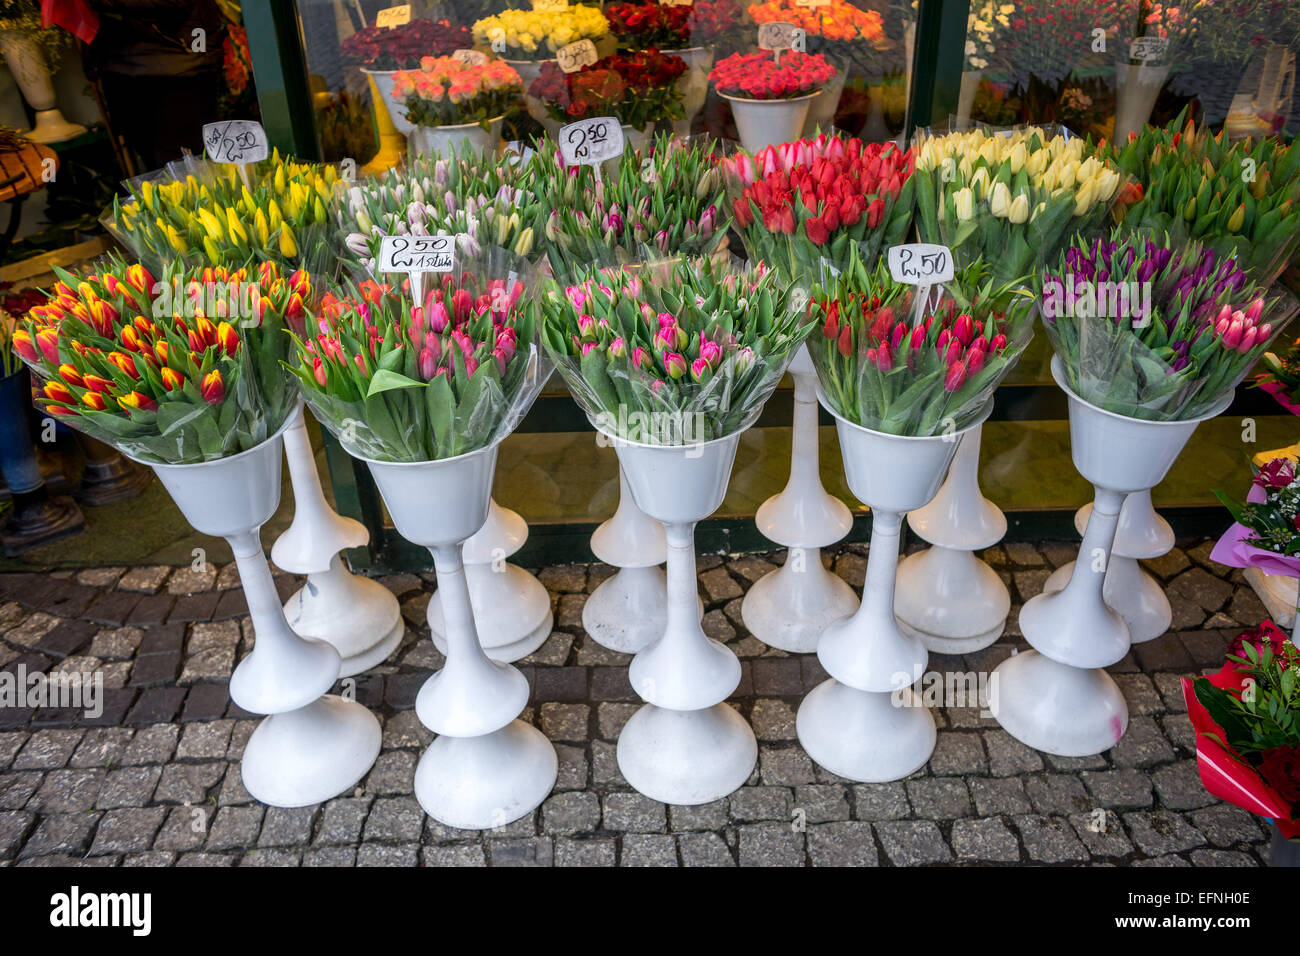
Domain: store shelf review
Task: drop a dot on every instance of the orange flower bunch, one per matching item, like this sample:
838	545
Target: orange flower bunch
838	20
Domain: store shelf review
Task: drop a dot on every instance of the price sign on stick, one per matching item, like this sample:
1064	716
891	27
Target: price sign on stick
393	16
922	264
416	255
1148	49
574	56
780	36
469	57
236	141
542	6
591	141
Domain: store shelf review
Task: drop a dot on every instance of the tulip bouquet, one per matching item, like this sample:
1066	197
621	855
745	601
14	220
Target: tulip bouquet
639	88
177	371
645	26
1247	722
1156	329
403	47
446	92
821	202
537	34
399	381
666	200
200	213
1239	198
890	362
468	193
671	352
763	76
1010	199
1281	377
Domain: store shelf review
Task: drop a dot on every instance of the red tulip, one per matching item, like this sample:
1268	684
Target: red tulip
94	400
817	231
48	340
228	338
955	377
171	379
845	343
135	401
832	328
22	343
212	388
58	392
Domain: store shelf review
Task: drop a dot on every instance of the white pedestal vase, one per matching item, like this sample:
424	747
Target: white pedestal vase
1056	697
23	56
358	616
1136	89
511	607
970	85
764	123
946	597
865	722
790	607
396	107
446	140
311	747
528	71
821	111
685	746
694	84
486	768
1128	589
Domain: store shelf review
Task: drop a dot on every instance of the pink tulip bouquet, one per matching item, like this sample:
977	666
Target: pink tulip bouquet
446	92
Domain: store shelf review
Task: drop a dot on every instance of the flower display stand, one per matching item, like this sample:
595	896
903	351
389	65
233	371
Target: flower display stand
763	123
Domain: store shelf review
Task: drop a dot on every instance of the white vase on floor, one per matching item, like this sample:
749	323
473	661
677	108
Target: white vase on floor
449	140
27	63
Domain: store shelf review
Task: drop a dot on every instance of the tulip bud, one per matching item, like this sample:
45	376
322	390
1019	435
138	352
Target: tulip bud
955	377
674	365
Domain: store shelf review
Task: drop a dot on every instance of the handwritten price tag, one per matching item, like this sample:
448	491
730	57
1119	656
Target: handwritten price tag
920	263
780	36
812	3
235	141
1148	49
393	16
591	141
544	6
417	254
676	3
576	55
469	57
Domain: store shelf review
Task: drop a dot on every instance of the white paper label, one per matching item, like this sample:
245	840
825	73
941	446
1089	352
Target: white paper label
812	3
469	57
576	55
545	5
235	141
417	254
1148	49
920	263
393	16
780	36
676	3
591	141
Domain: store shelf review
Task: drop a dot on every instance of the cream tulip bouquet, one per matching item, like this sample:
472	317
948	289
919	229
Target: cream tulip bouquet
537	34
1012	198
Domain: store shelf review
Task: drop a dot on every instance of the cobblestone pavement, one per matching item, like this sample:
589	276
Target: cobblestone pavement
155	780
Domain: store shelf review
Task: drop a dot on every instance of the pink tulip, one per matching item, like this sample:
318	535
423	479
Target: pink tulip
427	364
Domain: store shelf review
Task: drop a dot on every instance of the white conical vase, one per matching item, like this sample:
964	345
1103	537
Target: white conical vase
31	72
1136	88
486	768
790	607
693	85
685	746
452	140
359	617
945	596
1056	697
311	747
865	722
1128	589
763	123
511	607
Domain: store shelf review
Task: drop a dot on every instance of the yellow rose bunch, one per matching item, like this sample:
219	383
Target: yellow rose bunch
537	34
211	218
1008	198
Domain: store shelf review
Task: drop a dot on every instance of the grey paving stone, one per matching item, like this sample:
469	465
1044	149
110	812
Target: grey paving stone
375	854
67	791
1161	832
1057	793
16	788
912	842
10	743
394	820
1008	756
404	730
393	773
1101	832
1225	825
880	801
1123	789
939	798
986	840
597	852
235	827
47	749
330	856
958	754
342	820
188	783
821	803
127	831
150	858
287	826
276	857
1142	745
204	741
648	849
60	833
770	844
208	859
14	827
633	812
566	721
465	854
1222	858
1179	786
762	803
701	816
573	767
719	585
846	843
1049	839
997	795
155	744
773	719
186	828
574	812
704	849
1161	861
533	851
128	787
100	747
785	766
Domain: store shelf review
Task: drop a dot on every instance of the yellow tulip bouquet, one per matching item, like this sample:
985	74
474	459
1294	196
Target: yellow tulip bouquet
201	213
1012	198
537	34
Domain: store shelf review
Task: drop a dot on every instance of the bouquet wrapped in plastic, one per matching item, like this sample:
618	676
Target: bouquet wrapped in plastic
1281	377
1156	329
674	352
889	361
200	213
1011	198
639	88
666	200
178	371
828	201
400	380
470	194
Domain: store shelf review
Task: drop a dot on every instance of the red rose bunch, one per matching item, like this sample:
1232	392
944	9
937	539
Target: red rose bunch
760	76
638	88
401	48
827	199
641	26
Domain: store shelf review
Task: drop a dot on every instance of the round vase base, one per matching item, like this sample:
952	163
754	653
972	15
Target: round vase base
789	609
868	737
626	613
311	754
1058	709
944	644
950	600
512	611
514	651
476	783
687	757
1136	595
372	610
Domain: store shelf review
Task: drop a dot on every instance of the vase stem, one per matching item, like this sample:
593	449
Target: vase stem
1098	536
882	566
804	468
682	587
458	613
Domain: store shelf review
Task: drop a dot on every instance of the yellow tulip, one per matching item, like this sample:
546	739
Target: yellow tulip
1019	211
979	183
288	248
1000	201
1238	217
1017	158
211	225
1084	198
964	203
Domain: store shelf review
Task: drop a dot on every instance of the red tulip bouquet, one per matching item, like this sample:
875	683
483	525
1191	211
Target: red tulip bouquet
178	371
639	88
1266	526
765	76
396	380
1157	329
647	26
673	352
402	47
821	202
891	363
1247	722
